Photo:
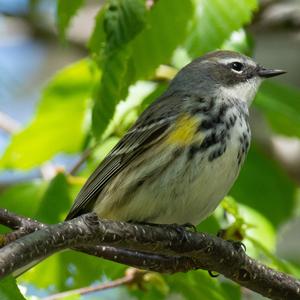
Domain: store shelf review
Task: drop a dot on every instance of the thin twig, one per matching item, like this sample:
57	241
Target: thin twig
84	156
132	276
21	226
8	124
14	221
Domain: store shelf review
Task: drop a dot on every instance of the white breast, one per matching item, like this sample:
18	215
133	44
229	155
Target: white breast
186	191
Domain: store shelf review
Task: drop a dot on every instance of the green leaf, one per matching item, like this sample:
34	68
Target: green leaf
117	23
124	60
128	110
199	285
121	22
166	29
232	290
96	42
110	91
263	186
23	198
214	21
57	273
9	290
69	270
66	9
55	202
209	225
39	200
260	230
59	124
281	105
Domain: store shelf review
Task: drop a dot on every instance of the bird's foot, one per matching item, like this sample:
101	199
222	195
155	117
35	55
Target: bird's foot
189	227
238	245
183	229
174	226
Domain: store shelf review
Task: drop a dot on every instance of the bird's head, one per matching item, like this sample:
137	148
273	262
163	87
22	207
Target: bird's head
223	74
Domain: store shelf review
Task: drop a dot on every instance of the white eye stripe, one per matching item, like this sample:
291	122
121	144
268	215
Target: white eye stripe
227	61
230	60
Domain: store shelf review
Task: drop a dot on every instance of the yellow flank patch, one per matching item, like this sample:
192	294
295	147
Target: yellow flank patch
184	131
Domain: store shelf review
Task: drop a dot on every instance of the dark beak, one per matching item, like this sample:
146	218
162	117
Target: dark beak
267	73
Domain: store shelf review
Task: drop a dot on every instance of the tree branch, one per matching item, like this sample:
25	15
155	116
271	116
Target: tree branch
154	262
119	241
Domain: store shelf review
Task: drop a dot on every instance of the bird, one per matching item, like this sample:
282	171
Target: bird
185	151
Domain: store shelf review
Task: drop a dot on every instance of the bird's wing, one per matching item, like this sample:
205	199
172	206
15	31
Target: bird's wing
151	127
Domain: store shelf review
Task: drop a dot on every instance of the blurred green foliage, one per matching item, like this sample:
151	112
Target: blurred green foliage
129	42
215	21
253	188
281	106
9	290
60	121
65	11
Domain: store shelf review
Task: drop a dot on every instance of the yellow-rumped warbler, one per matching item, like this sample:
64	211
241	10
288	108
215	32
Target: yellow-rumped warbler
183	154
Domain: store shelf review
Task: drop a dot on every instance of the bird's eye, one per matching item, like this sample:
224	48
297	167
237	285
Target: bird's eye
237	66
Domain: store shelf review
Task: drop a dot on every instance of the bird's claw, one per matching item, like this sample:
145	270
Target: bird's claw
189	226
238	245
